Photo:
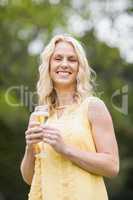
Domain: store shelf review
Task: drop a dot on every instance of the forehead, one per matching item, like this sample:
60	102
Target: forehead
62	47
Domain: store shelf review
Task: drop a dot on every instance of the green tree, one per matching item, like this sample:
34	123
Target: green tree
25	25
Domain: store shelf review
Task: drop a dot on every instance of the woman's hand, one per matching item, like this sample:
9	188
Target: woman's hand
33	135
53	137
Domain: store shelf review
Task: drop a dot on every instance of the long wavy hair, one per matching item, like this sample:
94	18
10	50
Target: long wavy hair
85	77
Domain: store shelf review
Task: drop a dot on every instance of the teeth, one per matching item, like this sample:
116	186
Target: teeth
63	72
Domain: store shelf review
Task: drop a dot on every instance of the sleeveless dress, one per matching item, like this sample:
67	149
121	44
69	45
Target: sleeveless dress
56	177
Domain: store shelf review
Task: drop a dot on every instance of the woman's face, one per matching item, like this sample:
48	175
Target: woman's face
64	65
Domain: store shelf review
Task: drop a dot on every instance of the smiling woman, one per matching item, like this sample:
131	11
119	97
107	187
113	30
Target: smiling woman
79	137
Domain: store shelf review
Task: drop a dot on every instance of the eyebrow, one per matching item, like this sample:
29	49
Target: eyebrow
71	55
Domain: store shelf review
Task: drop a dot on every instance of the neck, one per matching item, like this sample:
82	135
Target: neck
65	97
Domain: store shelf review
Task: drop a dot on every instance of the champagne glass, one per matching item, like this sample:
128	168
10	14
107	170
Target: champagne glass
41	114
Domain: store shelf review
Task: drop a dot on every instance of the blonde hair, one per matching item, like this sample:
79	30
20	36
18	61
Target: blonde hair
85	80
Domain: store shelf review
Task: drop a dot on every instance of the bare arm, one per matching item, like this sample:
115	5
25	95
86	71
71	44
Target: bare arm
105	161
27	166
33	135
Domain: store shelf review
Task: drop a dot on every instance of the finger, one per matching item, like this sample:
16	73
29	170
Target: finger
47	127
49	141
29	142
36	129
52	132
34	136
33	130
33	124
49	136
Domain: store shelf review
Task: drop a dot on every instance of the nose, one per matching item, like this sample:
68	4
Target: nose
64	63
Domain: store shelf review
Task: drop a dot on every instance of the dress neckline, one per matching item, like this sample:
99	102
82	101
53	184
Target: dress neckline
66	110
66	106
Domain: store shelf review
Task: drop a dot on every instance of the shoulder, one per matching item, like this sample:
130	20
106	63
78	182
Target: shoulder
96	108
95	101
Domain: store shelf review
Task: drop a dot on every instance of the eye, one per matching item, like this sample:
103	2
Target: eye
58	58
73	59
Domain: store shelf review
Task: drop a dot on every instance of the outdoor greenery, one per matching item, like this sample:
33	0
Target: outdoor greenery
25	27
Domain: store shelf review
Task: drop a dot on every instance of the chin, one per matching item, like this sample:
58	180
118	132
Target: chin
63	83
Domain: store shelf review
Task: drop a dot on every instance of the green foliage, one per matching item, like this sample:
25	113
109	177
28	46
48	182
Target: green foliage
21	23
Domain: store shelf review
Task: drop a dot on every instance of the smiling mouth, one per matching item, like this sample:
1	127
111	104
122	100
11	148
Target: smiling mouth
63	72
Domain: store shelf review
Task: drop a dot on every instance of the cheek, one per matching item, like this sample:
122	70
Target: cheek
52	75
52	67
76	68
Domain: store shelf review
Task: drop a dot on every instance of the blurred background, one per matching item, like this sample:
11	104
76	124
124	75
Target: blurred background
105	29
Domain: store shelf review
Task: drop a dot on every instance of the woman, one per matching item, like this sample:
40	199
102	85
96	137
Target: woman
83	149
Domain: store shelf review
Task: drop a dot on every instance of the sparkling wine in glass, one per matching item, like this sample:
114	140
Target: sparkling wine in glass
41	114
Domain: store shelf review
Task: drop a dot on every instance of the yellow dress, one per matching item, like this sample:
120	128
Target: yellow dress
56	177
